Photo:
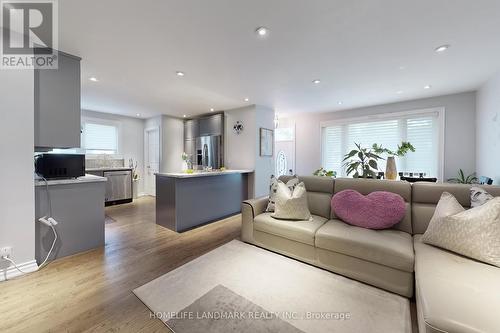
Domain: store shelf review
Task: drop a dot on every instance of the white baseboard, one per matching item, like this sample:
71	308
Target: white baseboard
11	272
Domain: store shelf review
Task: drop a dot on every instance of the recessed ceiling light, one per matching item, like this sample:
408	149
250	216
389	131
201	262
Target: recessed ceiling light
428	86
184	115
316	81
340	103
138	115
212	109
179	73
93	79
262	31
402	68
246	99
442	48
399	92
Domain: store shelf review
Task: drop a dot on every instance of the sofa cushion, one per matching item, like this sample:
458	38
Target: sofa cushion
300	231
389	247
455	294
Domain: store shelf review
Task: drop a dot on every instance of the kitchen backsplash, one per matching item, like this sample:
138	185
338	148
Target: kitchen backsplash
93	163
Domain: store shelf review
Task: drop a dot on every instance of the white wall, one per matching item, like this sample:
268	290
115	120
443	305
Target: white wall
242	151
460	132
17	218
171	141
131	139
264	166
172	144
488	129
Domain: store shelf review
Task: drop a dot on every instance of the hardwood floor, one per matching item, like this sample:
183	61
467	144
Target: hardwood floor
92	291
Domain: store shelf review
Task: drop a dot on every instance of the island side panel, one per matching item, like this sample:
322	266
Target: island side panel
165	202
200	200
79	210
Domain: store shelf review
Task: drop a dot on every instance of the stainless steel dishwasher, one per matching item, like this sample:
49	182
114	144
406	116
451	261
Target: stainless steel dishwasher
118	187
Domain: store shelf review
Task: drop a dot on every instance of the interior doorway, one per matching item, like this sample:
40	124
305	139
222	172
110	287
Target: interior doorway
285	148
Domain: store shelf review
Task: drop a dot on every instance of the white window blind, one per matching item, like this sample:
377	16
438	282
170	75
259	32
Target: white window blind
333	148
421	130
100	137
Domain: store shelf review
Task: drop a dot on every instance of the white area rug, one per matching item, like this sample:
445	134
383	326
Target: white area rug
308	298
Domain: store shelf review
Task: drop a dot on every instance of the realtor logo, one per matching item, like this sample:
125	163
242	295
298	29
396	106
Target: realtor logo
29	34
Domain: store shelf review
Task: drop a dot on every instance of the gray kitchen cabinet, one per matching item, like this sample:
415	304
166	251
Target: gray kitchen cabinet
212	125
191	129
79	209
57	104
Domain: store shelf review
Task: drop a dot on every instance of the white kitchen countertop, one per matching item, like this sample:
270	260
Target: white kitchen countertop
85	179
201	173
108	169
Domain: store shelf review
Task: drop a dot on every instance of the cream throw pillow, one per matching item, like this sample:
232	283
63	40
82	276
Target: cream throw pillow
273	189
474	233
291	204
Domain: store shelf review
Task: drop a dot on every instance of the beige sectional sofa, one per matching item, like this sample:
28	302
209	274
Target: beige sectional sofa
453	293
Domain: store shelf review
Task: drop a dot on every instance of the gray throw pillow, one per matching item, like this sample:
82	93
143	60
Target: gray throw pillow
479	196
273	188
291	204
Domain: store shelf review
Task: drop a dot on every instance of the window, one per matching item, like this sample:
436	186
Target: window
100	138
284	134
422	129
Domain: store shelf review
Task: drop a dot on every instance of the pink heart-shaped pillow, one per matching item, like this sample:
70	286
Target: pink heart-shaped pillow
377	210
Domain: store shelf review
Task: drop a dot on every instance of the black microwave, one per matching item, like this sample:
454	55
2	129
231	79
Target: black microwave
57	166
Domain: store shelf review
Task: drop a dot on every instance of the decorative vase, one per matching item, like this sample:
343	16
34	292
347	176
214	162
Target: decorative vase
391	172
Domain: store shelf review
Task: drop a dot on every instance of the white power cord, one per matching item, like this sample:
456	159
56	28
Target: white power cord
13	263
50	222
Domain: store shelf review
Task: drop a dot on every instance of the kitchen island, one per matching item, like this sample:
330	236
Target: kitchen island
185	201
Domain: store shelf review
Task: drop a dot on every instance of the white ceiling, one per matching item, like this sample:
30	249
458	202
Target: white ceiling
355	47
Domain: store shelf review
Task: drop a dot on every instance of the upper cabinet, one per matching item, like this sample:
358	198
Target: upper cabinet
191	129
57	104
212	125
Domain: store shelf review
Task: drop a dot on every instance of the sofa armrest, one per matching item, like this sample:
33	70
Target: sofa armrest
249	210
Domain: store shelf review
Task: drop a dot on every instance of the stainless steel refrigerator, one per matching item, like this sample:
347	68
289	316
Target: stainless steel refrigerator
209	151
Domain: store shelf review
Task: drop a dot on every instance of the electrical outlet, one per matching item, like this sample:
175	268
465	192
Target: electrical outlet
6	252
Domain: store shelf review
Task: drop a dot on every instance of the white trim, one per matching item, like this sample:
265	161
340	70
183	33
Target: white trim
382	116
146	154
439	111
12	272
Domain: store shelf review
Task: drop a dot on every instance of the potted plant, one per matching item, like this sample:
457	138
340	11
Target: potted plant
362	162
322	172
391	171
462	179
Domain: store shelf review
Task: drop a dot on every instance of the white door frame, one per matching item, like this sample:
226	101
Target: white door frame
146	157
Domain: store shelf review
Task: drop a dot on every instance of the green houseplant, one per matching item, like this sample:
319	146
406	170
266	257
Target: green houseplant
362	162
462	179
391	171
322	172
